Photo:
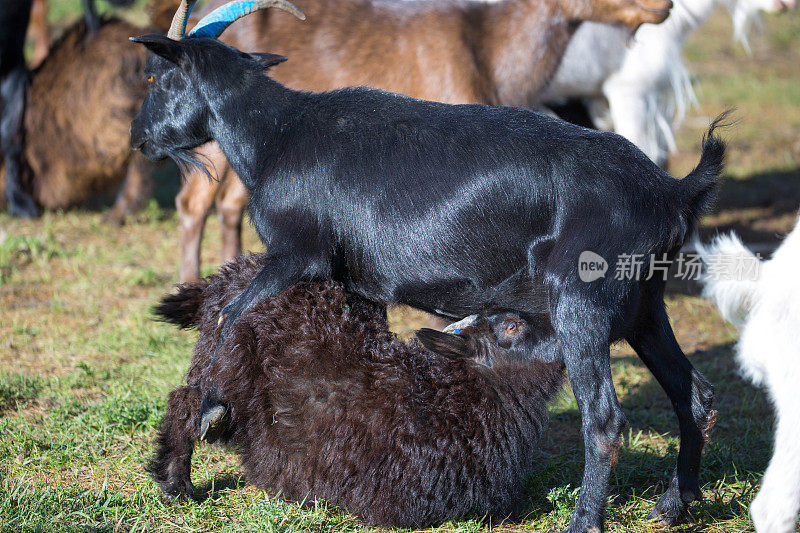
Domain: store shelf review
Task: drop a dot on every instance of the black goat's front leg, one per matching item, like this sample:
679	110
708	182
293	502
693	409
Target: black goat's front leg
584	336
279	273
13	93
171	465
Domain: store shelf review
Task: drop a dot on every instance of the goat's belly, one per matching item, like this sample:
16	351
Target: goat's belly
457	298
451	298
454	298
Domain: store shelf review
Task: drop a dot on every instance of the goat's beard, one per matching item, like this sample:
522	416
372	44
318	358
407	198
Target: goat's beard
188	161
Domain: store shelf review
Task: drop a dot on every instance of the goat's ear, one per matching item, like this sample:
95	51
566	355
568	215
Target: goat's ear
444	344
267	60
163	46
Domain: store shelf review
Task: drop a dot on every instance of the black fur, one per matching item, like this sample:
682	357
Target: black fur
183	308
14	80
326	403
452	209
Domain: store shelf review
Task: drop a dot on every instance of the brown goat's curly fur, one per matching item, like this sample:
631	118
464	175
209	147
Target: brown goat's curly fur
326	402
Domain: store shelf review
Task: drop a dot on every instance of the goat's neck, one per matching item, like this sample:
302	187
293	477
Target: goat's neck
247	125
520	46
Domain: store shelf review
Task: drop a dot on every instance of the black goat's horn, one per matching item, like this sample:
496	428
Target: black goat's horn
213	24
178	27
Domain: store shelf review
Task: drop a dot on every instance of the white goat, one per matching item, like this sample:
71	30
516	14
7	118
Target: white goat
626	80
767	310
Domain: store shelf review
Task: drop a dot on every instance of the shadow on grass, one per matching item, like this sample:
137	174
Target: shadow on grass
734	459
748	205
218	484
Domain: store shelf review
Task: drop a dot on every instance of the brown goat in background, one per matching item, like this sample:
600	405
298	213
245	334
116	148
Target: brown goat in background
455	52
80	105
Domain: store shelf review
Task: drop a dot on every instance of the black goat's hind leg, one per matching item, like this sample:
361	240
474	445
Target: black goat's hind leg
692	396
587	358
171	465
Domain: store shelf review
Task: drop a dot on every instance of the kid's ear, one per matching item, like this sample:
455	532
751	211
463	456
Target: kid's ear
444	344
267	60
163	46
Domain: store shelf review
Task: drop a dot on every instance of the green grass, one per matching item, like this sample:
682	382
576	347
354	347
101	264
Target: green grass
84	370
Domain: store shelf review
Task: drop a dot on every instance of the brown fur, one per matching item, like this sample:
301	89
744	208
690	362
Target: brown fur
494	53
326	403
80	106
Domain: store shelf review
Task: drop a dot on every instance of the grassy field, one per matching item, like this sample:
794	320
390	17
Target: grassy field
84	370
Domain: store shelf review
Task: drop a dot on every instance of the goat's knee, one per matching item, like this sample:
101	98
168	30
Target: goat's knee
607	432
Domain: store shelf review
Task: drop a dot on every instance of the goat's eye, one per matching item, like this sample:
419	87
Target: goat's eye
150	78
512	327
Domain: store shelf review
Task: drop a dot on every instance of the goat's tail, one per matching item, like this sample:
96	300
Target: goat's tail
722	280
183	307
698	189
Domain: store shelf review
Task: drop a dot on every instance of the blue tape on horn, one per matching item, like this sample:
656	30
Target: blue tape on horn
213	24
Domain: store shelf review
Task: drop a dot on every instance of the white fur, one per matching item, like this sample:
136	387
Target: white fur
638	85
768	312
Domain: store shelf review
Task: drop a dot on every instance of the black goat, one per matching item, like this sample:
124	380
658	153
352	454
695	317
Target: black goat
14	16
454	209
326	403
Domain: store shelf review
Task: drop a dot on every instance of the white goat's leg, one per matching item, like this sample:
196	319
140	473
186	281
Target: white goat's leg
629	113
777	504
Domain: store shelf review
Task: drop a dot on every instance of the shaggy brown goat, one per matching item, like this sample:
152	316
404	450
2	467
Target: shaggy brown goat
327	403
80	105
455	52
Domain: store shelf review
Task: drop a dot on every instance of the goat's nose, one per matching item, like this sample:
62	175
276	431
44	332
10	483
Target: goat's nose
137	141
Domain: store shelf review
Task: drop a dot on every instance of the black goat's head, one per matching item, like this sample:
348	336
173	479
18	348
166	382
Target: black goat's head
485	339
185	76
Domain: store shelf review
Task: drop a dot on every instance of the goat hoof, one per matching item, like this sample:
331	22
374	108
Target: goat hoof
175	497
669	512
213	422
22	206
115	217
